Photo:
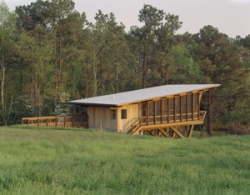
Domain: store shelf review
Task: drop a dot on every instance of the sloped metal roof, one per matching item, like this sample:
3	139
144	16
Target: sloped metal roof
118	99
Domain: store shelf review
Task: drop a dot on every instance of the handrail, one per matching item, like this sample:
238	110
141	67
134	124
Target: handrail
173	118
135	126
203	114
127	126
57	121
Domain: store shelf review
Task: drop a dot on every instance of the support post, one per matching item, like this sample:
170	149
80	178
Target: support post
180	110
168	102
163	132
177	132
162	107
186	107
192	105
198	105
174	109
191	128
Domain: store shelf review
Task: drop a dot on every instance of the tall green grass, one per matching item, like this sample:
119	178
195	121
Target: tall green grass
42	161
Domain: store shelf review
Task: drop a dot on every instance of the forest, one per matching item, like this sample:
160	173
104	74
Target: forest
50	54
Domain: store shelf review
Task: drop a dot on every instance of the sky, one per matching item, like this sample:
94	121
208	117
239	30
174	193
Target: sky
231	17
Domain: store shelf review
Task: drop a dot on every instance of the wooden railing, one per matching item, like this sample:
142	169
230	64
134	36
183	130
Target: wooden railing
135	126
172	118
57	121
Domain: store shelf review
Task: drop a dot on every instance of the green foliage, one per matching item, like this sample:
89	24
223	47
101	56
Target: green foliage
7	34
93	162
220	62
152	44
185	66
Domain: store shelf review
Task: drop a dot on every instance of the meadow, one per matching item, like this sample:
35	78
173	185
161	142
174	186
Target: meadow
72	161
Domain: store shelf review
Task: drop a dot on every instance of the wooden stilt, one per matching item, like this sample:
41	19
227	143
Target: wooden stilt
177	132
151	133
191	131
164	132
173	134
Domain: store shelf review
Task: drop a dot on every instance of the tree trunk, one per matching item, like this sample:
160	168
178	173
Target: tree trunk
94	77
86	91
4	122
143	84
117	81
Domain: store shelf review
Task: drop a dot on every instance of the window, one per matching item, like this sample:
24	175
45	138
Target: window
124	114
113	114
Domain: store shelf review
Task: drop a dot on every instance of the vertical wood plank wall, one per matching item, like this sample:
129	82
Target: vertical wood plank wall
101	117
133	111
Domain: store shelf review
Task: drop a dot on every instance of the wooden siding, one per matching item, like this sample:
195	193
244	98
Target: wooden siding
132	115
100	118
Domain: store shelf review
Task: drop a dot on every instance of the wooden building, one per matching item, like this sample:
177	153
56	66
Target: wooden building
167	110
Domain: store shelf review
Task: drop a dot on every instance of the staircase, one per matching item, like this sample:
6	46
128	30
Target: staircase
135	127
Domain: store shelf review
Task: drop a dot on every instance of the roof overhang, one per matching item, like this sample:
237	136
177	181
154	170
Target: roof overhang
147	94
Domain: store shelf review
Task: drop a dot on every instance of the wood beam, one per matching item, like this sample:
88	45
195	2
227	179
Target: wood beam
192	106
198	105
200	95
177	124
147	112
177	132
163	132
154	112
191	128
174	109
162	108
180	109
168	101
187	107
151	133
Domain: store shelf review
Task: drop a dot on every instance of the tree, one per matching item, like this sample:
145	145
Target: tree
107	55
35	57
152	44
220	62
7	32
57	23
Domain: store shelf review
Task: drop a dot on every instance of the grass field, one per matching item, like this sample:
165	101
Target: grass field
42	161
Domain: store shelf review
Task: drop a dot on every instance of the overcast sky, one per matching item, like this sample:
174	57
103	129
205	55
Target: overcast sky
231	17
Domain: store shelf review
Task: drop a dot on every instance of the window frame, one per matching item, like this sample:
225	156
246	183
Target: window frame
113	114
124	114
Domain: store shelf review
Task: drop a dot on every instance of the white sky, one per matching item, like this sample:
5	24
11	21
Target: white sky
231	17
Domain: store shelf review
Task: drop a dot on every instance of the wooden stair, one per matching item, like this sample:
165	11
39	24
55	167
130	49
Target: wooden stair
135	127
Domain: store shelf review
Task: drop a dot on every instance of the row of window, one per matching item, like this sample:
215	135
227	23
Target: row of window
123	114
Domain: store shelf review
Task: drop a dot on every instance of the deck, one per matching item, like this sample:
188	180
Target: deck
168	126
57	121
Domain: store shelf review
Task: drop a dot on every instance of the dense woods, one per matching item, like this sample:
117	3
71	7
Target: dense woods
50	53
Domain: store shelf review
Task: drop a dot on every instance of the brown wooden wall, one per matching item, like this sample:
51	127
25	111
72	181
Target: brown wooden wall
133	111
100	117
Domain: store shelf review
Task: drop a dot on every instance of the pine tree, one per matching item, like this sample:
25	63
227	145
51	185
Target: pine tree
220	63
